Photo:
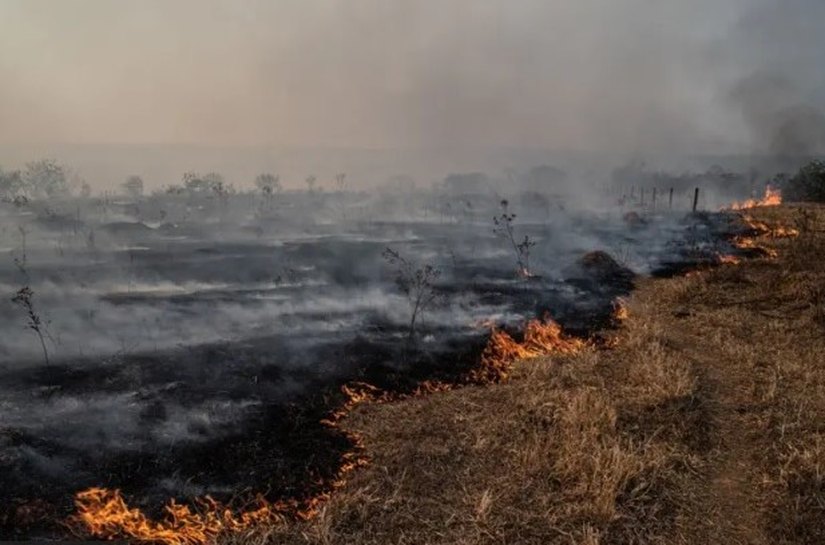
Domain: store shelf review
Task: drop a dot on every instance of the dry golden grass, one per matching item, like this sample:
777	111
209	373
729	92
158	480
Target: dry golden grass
706	424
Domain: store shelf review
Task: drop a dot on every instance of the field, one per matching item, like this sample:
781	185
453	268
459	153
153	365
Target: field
702	425
196	348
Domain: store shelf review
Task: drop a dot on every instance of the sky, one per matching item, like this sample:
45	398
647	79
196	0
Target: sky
626	76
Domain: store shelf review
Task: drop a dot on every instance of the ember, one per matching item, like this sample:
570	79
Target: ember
760	228
727	259
749	245
620	312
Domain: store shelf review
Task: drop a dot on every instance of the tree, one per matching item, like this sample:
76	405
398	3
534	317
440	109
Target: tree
214	181
311	181
808	184
10	183
415	281
133	186
46	177
201	184
268	183
504	228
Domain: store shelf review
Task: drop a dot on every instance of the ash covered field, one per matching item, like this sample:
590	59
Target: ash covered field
190	344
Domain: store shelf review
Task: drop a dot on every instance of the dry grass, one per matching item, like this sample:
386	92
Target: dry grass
706	424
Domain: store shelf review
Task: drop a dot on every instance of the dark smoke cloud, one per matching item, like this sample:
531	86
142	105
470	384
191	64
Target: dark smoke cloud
782	98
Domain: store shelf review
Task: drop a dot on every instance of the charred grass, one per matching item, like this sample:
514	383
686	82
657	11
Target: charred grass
705	424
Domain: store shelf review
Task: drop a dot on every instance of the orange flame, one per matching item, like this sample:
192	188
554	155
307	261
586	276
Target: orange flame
773	197
541	337
104	513
746	243
774	231
620	312
727	259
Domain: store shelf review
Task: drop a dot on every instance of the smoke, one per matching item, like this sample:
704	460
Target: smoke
782	94
620	78
590	75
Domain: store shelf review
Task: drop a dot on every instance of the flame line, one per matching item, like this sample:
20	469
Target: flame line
104	513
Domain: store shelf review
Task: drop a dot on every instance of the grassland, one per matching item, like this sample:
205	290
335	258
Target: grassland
704	424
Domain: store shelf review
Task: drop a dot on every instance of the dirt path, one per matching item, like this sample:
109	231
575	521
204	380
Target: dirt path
729	506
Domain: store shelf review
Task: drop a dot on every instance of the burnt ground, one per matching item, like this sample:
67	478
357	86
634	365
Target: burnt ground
279	447
702	425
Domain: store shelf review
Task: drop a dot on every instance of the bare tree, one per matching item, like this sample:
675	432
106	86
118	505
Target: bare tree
504	228
415	281
25	299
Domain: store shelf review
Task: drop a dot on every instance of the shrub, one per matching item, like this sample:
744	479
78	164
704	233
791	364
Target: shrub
808	184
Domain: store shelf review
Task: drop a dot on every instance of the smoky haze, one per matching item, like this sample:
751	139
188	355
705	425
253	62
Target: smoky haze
180	343
619	77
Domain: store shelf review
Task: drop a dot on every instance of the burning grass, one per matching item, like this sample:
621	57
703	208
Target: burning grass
541	337
702	426
772	197
543	458
104	513
727	259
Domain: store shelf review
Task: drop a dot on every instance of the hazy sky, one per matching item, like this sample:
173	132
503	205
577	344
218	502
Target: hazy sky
624	75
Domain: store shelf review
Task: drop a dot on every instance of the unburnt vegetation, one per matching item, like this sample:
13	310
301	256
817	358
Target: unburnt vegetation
702	425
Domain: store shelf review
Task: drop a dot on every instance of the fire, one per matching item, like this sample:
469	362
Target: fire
104	513
760	228
780	231
773	197
541	337
620	312
727	259
746	243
